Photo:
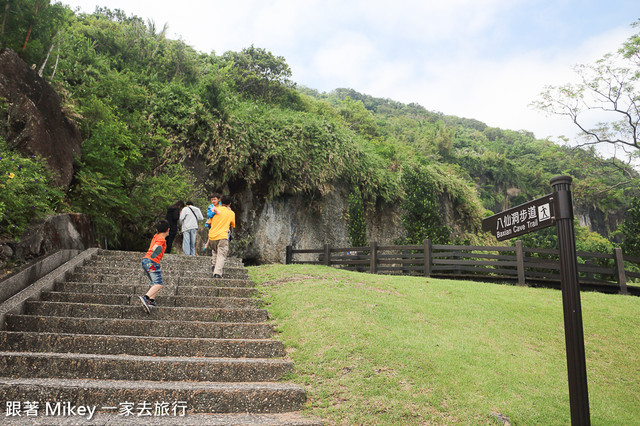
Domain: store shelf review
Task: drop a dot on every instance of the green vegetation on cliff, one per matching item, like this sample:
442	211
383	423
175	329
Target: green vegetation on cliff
151	110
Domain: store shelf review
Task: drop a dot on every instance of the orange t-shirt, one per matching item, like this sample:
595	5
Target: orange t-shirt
160	241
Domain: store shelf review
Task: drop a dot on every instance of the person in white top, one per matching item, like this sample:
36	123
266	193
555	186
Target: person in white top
189	218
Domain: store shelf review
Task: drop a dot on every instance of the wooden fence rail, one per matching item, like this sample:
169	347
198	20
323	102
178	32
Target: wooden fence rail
611	273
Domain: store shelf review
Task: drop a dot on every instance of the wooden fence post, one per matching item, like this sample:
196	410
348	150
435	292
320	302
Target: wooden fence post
427	257
288	257
327	254
520	263
404	259
622	276
373	259
590	276
456	257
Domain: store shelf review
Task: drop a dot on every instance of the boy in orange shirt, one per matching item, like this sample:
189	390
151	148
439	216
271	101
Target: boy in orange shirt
151	264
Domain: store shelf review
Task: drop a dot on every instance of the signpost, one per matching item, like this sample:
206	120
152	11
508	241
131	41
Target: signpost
556	209
525	218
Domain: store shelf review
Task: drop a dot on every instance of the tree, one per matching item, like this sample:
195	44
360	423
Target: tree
421	217
358	118
611	85
261	75
30	26
630	229
443	139
356	221
26	190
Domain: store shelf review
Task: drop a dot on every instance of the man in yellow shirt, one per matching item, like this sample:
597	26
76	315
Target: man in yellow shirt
219	235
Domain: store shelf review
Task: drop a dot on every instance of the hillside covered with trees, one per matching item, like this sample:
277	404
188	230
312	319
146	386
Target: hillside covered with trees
161	121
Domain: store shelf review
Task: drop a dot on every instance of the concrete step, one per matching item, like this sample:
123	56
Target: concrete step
170	257
166	301
207	347
138	327
168	290
137	278
136	257
203	272
127	367
86	310
140	345
125	253
208	291
201	266
195	397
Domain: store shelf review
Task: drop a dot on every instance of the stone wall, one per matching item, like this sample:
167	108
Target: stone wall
68	231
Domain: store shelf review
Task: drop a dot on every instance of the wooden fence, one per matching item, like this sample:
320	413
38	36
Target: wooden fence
611	273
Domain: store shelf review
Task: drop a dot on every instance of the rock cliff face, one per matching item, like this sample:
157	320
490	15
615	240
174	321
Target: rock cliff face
64	231
597	221
71	231
267	228
35	123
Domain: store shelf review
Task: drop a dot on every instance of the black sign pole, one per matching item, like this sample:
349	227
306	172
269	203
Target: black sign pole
573	332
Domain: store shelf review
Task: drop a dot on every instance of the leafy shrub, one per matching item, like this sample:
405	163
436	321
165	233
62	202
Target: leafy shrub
117	185
590	241
25	191
586	240
356	222
293	152
630	229
421	216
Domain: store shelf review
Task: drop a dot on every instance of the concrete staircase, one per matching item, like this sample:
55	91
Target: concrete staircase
204	356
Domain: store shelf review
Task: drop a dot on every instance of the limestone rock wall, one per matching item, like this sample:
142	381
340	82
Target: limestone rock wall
265	229
36	122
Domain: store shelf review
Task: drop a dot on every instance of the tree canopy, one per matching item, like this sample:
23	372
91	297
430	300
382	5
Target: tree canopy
610	86
150	109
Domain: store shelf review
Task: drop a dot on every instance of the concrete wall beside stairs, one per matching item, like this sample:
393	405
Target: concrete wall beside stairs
80	336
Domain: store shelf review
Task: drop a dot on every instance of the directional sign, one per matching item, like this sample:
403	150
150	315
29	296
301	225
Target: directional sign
525	218
556	209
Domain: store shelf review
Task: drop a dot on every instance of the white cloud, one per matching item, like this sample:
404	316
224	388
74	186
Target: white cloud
347	57
499	91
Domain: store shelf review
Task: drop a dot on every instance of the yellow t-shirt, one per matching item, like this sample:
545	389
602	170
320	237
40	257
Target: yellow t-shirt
221	223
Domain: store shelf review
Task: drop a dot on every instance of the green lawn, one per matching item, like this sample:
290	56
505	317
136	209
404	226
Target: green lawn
375	349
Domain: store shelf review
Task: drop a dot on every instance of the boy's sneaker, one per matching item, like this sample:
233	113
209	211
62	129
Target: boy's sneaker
152	303
146	303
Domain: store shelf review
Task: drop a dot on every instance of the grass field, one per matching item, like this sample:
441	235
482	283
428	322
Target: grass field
389	350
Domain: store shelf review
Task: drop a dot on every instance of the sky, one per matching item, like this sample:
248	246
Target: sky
481	59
